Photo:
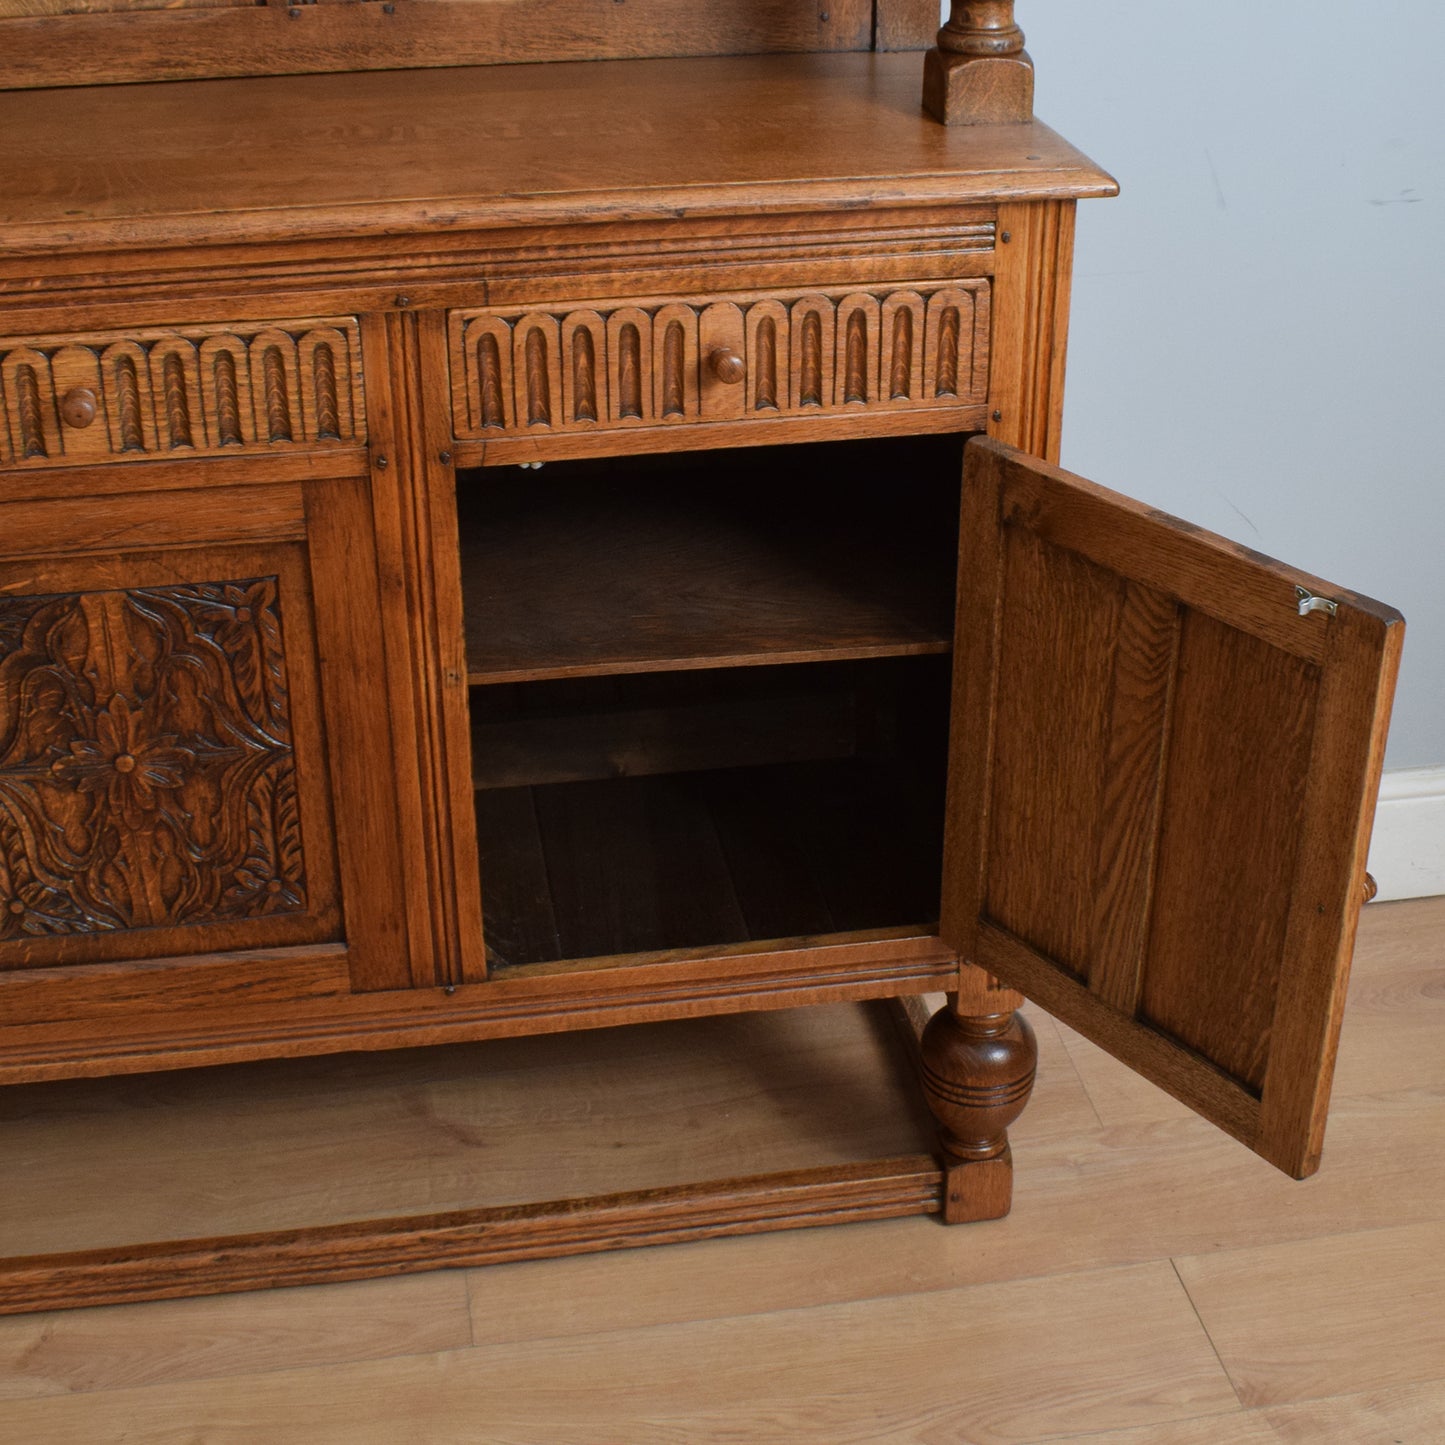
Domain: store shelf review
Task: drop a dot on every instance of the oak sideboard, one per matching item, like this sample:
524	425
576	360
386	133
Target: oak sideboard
529	517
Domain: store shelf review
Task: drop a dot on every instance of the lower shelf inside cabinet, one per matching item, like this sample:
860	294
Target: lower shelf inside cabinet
631	865
638	815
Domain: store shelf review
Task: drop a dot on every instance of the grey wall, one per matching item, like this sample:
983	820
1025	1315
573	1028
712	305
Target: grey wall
1258	340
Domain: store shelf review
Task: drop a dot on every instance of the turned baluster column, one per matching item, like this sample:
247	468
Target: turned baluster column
978	1072
979	73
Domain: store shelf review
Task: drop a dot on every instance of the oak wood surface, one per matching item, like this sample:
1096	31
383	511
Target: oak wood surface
161	742
548	998
653	361
440	1099
1031	294
430	151
94	990
718	563
419	616
635	735
630	865
1216	722
467	1238
148	40
331	195
1100	1199
346	591
140	393
471	265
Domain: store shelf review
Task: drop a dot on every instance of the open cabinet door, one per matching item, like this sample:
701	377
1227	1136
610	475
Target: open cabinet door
1165	757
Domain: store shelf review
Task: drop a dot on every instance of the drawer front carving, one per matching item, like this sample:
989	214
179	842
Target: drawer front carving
147	774
117	396
519	371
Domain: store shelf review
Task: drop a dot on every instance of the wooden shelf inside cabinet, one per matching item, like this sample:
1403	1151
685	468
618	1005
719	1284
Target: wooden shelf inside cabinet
716	563
634	865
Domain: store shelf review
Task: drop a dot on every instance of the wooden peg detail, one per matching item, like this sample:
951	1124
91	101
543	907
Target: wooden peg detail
727	365
978	1073
979	73
78	407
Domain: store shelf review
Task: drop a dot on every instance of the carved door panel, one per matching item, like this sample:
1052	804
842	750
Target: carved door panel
1166	757
182	727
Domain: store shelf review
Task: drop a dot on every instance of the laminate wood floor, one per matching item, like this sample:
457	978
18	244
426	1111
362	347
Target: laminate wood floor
1155	1284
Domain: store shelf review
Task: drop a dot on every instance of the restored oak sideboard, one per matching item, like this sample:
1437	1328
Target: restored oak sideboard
482	553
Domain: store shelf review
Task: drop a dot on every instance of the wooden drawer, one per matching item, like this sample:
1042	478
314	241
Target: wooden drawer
520	371
120	395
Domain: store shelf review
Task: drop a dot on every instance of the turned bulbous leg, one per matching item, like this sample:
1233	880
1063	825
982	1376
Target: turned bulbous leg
979	73
978	1073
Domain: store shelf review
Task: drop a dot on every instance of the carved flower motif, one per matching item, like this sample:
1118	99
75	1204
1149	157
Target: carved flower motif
232	612
31	907
125	762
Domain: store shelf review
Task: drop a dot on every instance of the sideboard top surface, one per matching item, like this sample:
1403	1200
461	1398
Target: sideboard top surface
415	152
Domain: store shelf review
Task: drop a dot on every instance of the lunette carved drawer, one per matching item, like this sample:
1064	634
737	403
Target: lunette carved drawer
610	365
183	391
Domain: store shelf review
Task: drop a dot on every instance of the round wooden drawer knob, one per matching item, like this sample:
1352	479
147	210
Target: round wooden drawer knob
727	365
78	407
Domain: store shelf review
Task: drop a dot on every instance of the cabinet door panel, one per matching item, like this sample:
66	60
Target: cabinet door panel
1164	771
162	783
194	768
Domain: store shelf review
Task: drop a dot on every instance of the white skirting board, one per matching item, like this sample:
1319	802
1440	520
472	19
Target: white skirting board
1407	850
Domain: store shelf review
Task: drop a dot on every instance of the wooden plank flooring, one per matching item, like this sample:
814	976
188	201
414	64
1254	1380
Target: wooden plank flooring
1155	1285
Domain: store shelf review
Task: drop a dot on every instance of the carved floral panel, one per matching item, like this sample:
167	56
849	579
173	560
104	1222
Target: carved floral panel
147	774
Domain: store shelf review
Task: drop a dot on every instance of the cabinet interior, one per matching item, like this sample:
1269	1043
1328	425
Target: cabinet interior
709	694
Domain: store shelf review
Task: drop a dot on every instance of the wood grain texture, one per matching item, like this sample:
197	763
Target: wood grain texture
1060	640
904	24
41	531
413	518
346	595
524	266
1098	1198
627	571
645	363
469	1238
1031	307
90	991
979	73
453	1129
635	865
100	1350
1145	667
1021	1361
552	998
1372	1417
1231	1003
192	390
427	152
96	484
160	755
147	773
423	1158
149	42
1388	1336
1138	1187
1245	716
